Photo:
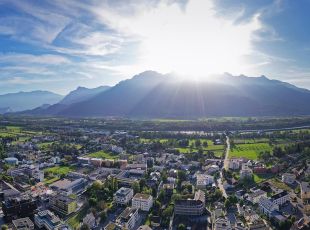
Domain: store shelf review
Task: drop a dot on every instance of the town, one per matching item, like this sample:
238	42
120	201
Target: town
87	174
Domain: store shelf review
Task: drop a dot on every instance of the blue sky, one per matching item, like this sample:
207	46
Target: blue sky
59	45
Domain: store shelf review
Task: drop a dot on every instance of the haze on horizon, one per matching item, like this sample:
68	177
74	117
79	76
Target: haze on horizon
60	45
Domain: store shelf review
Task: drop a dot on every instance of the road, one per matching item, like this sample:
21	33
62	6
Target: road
225	166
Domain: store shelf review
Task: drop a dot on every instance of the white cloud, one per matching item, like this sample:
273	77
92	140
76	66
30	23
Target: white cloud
22	59
191	40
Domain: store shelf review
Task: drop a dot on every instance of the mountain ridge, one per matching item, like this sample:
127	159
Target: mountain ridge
154	95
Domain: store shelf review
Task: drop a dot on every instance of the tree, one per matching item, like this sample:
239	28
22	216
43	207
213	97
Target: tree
197	143
136	187
85	227
205	144
181	227
103	216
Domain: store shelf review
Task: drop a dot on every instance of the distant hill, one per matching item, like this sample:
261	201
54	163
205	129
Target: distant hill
27	100
78	95
153	95
82	94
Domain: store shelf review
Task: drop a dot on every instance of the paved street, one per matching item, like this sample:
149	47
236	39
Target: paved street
225	166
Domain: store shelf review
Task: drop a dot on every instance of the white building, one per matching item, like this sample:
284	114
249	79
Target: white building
47	219
245	172
90	220
212	169
267	206
142	201
255	196
234	164
280	198
203	180
222	224
128	218
123	196
288	178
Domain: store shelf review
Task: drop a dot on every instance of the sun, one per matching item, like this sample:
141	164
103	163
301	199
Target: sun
192	41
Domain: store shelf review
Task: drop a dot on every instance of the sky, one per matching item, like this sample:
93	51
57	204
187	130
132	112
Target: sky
60	45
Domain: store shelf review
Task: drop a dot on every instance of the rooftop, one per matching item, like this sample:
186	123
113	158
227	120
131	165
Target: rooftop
142	196
23	224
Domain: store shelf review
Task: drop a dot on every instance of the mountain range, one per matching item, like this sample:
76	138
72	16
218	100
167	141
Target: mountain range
154	95
20	101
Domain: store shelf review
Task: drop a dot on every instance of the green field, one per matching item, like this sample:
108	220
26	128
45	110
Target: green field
249	151
103	155
59	170
76	219
217	149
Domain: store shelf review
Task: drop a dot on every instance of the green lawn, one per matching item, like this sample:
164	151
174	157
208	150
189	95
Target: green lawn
59	170
279	184
258	178
103	155
249	151
50	180
76	219
45	145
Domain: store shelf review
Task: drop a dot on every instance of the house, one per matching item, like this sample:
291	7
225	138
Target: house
62	204
191	207
255	196
222	224
128	218
246	172
267	206
288	178
22	224
203	180
212	169
142	201
305	196
90	220
123	196
280	198
258	224
47	219
234	164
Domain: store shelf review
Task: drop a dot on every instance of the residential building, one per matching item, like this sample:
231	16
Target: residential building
128	218
90	220
22	224
305	196
203	180
245	172
255	196
142	201
47	219
234	164
63	205
222	224
123	196
288	178
305	190
191	207
21	206
258	224
27	170
267	206
280	198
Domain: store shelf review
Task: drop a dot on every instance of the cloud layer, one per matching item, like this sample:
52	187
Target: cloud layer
59	45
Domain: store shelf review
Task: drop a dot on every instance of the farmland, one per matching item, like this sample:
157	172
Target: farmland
249	151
